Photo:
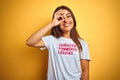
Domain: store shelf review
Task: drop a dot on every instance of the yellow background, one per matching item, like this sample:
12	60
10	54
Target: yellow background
97	23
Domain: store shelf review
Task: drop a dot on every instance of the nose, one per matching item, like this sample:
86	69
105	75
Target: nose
65	19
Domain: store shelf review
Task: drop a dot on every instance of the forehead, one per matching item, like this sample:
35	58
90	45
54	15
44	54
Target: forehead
65	12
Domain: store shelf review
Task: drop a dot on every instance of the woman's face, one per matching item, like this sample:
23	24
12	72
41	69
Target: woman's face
67	23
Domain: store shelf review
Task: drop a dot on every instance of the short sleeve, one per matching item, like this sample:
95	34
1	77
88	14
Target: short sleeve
46	40
85	54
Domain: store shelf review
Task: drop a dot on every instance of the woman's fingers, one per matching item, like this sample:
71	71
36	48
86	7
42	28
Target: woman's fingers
58	11
58	18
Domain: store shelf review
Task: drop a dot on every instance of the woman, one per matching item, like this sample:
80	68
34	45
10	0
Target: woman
68	53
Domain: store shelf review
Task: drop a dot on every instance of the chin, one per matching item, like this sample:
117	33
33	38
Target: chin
66	30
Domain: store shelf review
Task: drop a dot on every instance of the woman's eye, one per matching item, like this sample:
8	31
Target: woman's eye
68	16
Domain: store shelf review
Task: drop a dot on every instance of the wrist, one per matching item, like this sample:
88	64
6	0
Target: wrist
51	25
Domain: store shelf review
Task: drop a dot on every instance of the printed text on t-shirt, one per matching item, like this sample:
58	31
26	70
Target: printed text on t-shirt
67	49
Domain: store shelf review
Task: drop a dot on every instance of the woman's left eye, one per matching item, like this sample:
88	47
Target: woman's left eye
68	16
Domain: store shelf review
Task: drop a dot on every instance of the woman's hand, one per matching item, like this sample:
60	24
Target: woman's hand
58	18
35	40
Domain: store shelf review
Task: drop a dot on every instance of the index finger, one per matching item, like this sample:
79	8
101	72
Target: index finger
58	11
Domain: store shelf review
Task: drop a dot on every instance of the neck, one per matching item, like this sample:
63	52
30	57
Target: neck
66	35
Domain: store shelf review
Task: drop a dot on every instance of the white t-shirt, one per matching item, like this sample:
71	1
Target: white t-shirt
64	58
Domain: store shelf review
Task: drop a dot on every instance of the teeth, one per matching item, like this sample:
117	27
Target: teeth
67	24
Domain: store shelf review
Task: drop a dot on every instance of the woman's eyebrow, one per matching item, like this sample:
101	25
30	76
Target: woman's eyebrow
68	14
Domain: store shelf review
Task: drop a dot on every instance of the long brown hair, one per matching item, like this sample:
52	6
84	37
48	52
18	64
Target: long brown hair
55	31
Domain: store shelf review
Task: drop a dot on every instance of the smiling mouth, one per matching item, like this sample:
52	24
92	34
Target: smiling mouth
66	24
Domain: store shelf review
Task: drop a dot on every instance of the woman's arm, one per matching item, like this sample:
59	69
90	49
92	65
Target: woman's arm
85	69
35	39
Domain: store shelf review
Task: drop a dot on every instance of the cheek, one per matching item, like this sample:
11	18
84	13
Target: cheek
60	26
72	24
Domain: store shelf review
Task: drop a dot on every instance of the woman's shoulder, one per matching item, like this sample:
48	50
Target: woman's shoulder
82	41
49	36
